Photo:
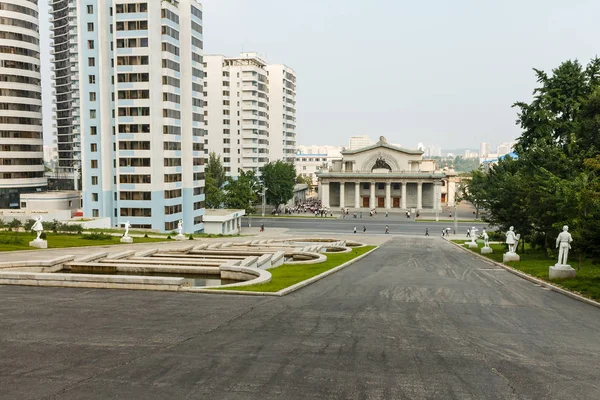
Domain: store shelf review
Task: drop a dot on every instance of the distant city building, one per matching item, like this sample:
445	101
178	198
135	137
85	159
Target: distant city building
139	111
471	154
250	111
505	148
484	149
50	156
311	159
21	142
357	142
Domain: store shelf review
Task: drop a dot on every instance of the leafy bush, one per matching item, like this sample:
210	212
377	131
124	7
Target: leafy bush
169	237
97	236
28	224
15	224
2	223
191	237
43	236
146	235
11	240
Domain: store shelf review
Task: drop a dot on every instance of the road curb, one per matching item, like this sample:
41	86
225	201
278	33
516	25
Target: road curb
294	287
533	279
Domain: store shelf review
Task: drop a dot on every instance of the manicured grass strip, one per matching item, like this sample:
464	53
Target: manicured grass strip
535	263
13	241
287	275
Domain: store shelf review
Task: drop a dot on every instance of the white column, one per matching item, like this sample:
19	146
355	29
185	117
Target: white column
325	194
342	194
388	195
343	166
372	200
357	195
436	195
404	195
419	195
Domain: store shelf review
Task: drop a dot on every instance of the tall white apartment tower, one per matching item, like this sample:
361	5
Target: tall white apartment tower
141	112
237	111
282	112
21	143
484	149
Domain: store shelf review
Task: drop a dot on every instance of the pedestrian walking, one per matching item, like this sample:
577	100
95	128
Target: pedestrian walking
427	232
443	232
387	229
355	229
262	227
468	232
387	213
364	229
361	214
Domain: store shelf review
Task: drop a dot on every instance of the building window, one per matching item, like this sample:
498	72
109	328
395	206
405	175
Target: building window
93	147
95	213
90	9
94	164
91	44
91	62
92	96
92	79
93	114
94	180
93	130
94	196
90	27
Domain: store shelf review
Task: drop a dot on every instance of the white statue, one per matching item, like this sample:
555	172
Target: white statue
563	243
486	239
180	227
512	240
38	227
127	226
474	234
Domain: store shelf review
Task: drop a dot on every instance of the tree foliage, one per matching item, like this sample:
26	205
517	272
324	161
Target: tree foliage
214	178
305	179
279	177
241	192
555	180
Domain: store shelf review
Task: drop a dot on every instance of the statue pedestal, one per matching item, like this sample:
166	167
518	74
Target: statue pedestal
126	239
180	237
510	257
562	271
472	245
39	243
486	250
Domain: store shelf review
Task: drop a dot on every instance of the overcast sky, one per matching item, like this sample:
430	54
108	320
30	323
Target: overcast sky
439	72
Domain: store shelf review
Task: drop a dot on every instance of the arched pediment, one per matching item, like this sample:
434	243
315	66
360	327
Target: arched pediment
380	160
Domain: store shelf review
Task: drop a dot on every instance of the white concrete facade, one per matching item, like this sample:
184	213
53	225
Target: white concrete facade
223	221
282	112
386	176
21	142
358	142
250	117
141	107
311	159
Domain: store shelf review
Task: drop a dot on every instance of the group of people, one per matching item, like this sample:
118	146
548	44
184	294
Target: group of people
387	229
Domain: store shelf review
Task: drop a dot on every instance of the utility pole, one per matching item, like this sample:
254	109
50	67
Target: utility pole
264	200
249	214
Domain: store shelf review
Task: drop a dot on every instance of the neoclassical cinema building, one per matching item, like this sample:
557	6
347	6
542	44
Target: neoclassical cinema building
386	177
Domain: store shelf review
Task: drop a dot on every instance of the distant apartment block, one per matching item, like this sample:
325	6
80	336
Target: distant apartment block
311	159
136	109
250	111
358	142
21	142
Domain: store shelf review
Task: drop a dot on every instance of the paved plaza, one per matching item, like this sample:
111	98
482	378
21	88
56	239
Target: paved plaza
419	318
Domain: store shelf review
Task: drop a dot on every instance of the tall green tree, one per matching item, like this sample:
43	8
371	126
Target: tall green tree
241	192
279	177
305	179
214	178
474	191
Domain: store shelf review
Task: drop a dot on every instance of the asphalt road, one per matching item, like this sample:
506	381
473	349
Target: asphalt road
375	225
417	319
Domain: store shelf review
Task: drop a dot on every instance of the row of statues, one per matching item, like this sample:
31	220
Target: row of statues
563	243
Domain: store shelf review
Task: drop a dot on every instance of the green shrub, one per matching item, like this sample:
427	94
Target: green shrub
146	235
11	240
97	236
28	224
43	236
169	237
191	237
15	224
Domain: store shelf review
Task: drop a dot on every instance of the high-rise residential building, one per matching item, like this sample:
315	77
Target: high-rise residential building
250	116
484	149
505	148
358	142
282	112
137	70
21	142
67	132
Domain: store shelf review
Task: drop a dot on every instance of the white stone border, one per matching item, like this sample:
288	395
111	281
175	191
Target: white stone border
288	289
533	279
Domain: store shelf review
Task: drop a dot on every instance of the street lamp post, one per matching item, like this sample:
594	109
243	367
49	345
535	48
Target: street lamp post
264	200
249	214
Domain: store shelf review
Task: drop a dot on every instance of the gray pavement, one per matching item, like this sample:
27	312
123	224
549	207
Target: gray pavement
417	319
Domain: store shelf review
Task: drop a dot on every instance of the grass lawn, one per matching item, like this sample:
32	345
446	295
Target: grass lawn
12	241
535	263
172	234
288	275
